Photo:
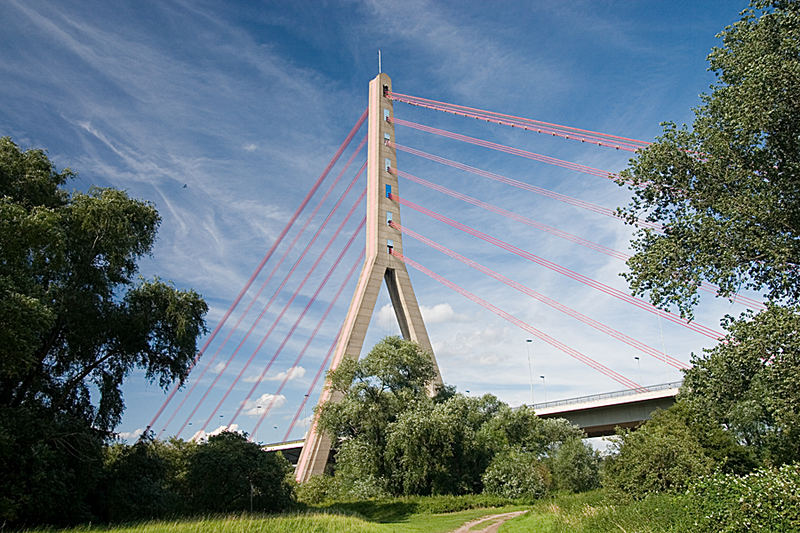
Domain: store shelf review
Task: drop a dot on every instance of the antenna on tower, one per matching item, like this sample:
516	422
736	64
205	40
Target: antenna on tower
379	61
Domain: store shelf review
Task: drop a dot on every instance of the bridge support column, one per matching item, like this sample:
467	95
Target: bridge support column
379	266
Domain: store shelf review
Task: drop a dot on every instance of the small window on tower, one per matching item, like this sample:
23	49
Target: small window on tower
388	191
386	138
386	115
389	245
388	218
387	163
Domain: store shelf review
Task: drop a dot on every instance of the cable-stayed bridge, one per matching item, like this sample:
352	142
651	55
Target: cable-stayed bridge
289	312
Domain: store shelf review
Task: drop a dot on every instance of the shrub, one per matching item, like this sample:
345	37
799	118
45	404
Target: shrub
765	500
661	456
516	474
575	466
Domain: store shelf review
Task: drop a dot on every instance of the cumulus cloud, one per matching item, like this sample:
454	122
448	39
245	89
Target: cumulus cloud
250	147
265	401
296	372
440	313
202	435
219	367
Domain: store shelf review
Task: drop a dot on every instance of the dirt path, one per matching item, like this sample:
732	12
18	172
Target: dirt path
492	523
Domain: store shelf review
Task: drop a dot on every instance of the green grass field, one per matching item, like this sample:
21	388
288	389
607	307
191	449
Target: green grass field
591	512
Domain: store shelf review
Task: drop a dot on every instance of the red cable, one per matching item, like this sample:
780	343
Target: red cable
508	149
264	260
619	378
255	298
297	321
273	297
708	287
544	299
290	301
704	330
514	216
518	184
313	335
404	97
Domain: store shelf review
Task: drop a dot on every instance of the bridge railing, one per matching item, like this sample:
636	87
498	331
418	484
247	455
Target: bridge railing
606	395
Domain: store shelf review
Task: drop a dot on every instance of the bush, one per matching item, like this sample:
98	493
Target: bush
516	474
765	500
229	473
316	490
661	456
575	466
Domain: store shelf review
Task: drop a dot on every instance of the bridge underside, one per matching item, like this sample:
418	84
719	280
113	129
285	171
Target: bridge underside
603	421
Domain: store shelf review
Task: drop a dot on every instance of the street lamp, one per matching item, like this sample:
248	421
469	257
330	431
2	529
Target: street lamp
544	389
638	369
530	366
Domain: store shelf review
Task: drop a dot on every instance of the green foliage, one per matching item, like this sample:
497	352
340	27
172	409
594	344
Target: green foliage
726	190
516	474
229	473
764	500
749	384
376	390
439	448
75	320
575	466
662	455
50	464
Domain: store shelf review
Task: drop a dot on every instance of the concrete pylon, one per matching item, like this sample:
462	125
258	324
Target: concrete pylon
379	266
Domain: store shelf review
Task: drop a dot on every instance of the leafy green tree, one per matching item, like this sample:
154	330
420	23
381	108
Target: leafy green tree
521	428
515	473
574	466
144	481
663	455
229	473
438	448
751	385
76	320
374	391
726	190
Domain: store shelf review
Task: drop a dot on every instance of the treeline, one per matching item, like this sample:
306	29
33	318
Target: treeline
395	440
67	475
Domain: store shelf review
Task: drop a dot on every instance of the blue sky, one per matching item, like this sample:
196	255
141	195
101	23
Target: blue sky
245	102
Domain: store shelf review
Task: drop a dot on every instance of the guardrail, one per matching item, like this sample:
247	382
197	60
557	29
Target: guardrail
605	395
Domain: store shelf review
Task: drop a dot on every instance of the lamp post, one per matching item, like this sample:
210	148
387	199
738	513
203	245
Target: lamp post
530	365
638	369
544	389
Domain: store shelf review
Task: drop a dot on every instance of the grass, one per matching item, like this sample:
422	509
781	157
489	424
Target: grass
590	512
595	512
412	514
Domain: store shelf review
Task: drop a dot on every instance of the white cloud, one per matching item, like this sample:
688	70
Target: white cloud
202	435
440	313
250	147
266	401
296	372
219	367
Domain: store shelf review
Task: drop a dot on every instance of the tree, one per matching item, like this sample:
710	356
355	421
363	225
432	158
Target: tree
515	473
663	455
391	379
727	191
76	320
229	473
750	384
439	448
575	466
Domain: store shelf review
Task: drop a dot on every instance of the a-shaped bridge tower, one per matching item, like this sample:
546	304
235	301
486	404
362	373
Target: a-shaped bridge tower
379	266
